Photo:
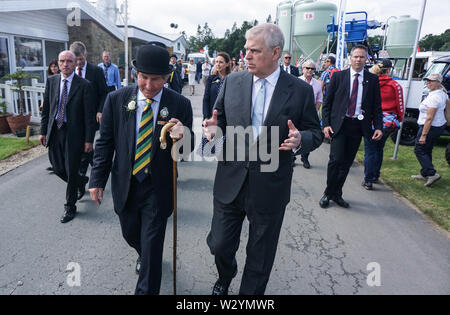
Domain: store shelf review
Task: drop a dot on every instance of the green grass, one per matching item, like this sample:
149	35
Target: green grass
435	200
9	146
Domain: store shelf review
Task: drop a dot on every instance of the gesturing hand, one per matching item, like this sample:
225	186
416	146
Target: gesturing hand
294	138
210	126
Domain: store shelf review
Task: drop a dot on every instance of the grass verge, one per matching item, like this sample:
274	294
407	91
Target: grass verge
10	146
435	200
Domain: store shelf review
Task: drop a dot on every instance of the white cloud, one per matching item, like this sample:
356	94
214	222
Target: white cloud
156	16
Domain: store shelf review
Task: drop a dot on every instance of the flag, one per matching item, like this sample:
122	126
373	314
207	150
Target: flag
242	55
340	53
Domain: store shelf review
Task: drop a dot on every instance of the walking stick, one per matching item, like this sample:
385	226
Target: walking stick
163	141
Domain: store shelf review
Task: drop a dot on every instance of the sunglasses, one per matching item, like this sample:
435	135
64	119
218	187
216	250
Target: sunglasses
287	57
307	68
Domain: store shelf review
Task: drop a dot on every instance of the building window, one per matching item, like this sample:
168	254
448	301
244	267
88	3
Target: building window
52	50
178	46
28	52
4	57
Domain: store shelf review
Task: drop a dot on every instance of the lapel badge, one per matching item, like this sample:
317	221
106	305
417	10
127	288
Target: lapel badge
164	113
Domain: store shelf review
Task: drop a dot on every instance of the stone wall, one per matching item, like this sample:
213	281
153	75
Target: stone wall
97	39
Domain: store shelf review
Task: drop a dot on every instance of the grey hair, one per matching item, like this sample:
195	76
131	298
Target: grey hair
273	35
78	48
310	63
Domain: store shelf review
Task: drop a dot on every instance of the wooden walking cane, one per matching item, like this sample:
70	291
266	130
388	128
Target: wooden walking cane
163	141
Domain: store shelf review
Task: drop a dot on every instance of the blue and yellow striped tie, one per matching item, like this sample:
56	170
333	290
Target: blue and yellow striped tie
144	144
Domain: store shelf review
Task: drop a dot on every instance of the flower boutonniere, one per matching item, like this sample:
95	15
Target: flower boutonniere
132	105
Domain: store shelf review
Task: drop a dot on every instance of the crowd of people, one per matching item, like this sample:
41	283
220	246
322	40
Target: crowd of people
344	106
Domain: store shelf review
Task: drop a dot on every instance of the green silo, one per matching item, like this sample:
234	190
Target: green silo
284	19
401	36
311	18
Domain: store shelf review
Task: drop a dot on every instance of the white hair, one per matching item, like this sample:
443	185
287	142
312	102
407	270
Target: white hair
273	35
309	63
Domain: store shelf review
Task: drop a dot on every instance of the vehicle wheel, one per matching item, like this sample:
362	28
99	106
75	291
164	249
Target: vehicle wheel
447	154
409	132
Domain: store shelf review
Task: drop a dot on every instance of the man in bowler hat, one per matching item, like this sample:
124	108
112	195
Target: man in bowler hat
141	180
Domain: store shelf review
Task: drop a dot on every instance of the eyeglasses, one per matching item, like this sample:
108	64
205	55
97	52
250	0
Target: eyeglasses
287	57
307	68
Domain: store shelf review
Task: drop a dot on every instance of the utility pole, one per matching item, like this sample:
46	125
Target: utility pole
126	42
411	70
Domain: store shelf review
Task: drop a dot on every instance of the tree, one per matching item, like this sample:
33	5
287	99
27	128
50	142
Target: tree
436	42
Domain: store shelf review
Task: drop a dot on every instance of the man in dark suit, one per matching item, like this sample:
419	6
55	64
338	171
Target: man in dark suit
96	77
287	67
352	105
142	173
262	97
68	126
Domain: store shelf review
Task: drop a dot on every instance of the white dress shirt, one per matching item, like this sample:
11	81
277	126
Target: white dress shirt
271	82
61	88
287	69
360	89
141	103
83	71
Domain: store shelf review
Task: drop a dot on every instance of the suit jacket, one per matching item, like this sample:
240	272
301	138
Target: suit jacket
337	100
294	70
118	140
210	96
79	112
293	100
96	76
174	82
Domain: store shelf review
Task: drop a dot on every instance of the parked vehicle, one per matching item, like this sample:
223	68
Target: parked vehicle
427	64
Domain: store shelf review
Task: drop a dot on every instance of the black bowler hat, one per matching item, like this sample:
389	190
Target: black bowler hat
152	59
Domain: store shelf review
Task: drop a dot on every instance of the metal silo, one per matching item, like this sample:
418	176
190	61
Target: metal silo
401	36
311	18
284	21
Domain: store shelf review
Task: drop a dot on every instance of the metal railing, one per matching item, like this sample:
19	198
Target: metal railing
33	96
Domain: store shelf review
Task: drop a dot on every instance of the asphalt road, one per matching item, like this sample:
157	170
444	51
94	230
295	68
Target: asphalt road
320	251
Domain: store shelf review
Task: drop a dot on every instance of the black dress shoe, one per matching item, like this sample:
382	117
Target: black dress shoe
306	164
341	202
69	214
367	185
325	201
220	288
138	265
82	188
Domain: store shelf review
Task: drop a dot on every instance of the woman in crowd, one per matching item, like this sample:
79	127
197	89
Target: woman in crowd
431	125
52	68
192	68
214	83
392	105
308	69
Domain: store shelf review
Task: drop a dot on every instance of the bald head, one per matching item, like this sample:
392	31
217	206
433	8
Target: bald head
66	62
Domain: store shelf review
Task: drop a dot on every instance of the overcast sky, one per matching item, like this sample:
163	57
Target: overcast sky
156	16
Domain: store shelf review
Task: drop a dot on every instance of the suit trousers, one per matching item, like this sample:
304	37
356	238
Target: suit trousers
86	159
59	158
144	228
224	238
344	147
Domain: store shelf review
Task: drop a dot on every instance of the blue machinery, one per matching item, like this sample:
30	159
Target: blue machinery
356	27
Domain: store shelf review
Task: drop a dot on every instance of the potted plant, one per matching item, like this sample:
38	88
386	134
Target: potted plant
21	121
4	126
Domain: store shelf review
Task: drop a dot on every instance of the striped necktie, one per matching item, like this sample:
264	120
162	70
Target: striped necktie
144	144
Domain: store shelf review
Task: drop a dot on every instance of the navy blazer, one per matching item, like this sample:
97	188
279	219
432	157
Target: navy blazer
337	100
294	70
210	96
115	149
